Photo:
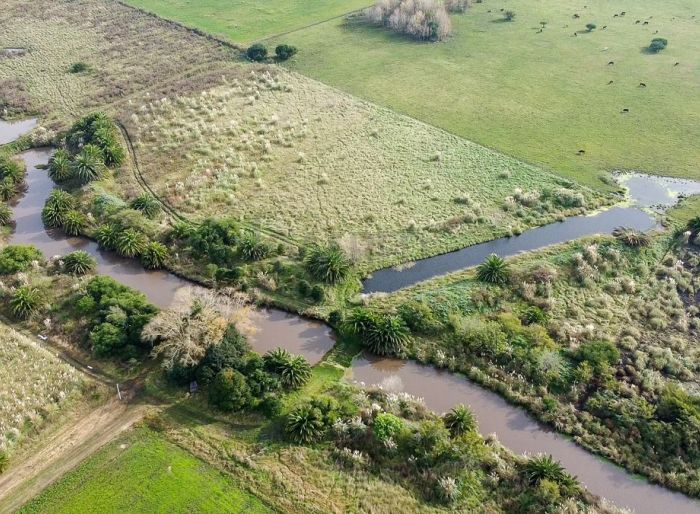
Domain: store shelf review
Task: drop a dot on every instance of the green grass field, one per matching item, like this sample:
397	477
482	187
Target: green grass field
143	473
244	21
540	97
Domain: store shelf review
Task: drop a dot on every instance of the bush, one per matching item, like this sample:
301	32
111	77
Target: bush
387	426
8	189
419	317
457	6
155	255
305	424
284	52
74	223
96	130
327	263
317	293
16	258
493	270
459	420
419	19
60	166
147	204
657	44
24	301
251	248
107	236
544	467
631	237
79	67
5	214
131	243
509	15
57	206
257	52
79	263
88	165
590	27
11	169
382	334
229	390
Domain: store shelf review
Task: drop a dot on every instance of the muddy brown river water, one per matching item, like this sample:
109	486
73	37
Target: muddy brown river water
441	390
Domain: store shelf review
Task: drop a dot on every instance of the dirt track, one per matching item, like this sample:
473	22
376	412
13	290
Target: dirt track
64	451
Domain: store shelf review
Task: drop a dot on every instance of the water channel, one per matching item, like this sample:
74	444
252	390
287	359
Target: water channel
441	390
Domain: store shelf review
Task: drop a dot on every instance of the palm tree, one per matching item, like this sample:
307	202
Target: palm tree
276	359
493	270
61	199
155	255
305	424
60	166
24	302
147	204
327	263
631	237
131	243
544	467
88	164
5	214
73	223
383	334
107	236
58	205
459	420
295	372
252	248
79	263
8	188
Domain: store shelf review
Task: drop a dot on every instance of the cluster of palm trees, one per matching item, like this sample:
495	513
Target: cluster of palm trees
129	242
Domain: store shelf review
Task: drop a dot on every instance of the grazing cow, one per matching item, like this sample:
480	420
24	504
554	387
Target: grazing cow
625	110
611	63
581	152
615	15
576	16
645	23
676	63
642	84
656	32
604	27
623	13
637	22
610	82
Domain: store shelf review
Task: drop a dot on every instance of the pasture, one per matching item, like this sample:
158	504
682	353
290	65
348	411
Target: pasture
143	473
245	21
35	386
307	161
538	93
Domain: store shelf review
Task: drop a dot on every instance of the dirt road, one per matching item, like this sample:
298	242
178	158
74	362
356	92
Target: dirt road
65	450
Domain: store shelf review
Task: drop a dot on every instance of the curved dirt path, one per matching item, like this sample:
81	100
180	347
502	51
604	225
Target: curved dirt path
65	450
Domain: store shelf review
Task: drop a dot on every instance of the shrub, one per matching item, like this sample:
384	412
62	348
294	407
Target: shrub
99	131
8	188
16	258
257	52
317	293
457	6
657	44
229	390
534	314
598	354
327	263
387	426
252	248
305	424
24	301
631	237
60	166
383	334
155	255
131	243
493	270
73	223
419	317
107	236
5	214
544	467
590	27
459	420
509	15
147	204
57	206
295	372
10	169
419	19
284	52
88	164
79	263
79	67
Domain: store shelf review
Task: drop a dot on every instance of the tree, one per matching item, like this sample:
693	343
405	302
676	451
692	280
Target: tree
73	223
590	27
657	44
544	467
5	214
295	372
60	166
327	263
147	204
196	321
252	248
459	420
88	164
131	243
257	52
493	270
24	301
79	263
305	424
229	390
383	334
16	258
155	255
57	206
285	52
509	15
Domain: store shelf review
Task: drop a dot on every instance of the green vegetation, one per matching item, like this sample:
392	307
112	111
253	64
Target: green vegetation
257	52
145	473
79	263
485	82
244	21
18	258
657	44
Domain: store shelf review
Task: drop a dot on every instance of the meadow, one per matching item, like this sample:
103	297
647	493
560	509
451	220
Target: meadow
245	21
538	95
314	164
144	473
35	386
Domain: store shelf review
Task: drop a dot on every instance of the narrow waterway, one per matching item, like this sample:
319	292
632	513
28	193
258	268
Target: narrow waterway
440	389
13	130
